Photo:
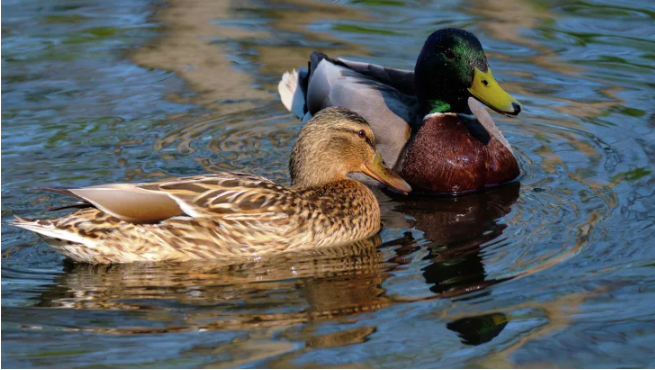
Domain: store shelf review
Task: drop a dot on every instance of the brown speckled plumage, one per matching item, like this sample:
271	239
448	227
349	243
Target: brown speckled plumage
228	215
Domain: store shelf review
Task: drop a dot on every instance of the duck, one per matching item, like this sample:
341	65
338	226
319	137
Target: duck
430	123
233	215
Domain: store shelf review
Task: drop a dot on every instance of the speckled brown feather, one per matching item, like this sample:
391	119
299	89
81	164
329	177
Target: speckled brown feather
227	215
446	157
239	216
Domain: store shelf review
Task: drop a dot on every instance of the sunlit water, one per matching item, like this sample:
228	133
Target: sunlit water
558	270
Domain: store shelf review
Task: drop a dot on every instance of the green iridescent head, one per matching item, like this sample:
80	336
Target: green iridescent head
451	68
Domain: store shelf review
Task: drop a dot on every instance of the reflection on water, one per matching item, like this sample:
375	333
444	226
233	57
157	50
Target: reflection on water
455	229
477	330
287	290
554	270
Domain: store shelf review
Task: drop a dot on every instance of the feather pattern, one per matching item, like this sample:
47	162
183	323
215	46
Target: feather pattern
389	99
227	215
389	111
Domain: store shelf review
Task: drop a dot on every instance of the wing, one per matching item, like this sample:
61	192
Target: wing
400	79
385	97
388	110
228	195
127	202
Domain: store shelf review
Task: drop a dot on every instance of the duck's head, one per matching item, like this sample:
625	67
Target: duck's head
451	68
334	143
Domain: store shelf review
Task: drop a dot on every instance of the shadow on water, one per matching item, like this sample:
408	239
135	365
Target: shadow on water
313	287
456	230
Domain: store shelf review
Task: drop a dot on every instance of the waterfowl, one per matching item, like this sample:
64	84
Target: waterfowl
428	123
226	215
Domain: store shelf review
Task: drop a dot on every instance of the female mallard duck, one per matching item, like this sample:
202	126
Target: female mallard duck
423	119
231	214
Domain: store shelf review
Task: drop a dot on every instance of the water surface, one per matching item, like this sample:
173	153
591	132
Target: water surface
554	271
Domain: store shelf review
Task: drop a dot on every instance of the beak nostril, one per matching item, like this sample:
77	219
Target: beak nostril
485	82
517	108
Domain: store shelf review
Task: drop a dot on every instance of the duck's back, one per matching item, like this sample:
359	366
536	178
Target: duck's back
380	95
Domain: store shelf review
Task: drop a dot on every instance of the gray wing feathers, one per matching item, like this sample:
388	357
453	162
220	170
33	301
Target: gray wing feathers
321	82
384	107
400	79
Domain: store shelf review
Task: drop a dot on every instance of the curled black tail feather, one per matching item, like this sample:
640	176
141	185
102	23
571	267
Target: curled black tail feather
315	59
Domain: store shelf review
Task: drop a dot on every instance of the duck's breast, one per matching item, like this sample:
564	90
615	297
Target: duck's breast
447	156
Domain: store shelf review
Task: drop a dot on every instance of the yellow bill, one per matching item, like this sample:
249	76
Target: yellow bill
487	90
380	172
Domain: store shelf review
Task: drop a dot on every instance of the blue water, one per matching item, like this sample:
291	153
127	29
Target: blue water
557	271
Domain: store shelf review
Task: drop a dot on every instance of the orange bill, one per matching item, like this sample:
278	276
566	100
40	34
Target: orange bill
380	172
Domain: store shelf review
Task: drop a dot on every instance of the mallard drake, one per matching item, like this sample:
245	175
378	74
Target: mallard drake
227	215
428	124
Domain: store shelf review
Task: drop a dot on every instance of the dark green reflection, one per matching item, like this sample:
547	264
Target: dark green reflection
476	330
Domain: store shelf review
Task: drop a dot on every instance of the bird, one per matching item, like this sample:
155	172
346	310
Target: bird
232	215
429	123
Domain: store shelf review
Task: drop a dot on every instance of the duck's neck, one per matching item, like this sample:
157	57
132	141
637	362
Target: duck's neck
349	205
438	105
436	90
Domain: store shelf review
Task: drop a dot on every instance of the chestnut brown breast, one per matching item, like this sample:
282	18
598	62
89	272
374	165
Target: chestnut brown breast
445	156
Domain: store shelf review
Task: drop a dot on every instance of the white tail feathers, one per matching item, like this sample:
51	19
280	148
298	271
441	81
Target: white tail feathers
291	94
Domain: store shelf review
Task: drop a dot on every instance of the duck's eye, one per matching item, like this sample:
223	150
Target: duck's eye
485	82
449	54
361	133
